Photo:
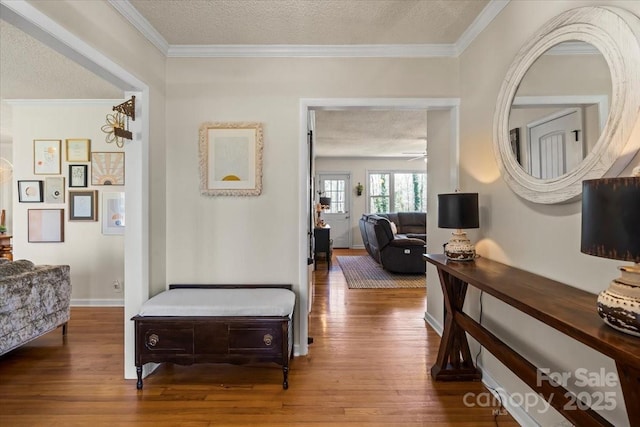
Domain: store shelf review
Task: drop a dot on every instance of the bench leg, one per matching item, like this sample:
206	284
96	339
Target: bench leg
139	373
285	372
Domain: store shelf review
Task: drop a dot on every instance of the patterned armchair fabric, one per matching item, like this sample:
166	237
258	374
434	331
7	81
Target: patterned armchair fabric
33	301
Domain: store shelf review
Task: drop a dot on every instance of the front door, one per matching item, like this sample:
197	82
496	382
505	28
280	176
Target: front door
336	186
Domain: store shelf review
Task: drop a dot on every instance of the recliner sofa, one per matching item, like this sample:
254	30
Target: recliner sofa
399	252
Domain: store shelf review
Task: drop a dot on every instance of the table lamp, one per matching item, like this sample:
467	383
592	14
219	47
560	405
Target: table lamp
611	229
323	204
459	211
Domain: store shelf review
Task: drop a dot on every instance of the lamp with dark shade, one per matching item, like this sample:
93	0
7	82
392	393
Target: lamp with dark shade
459	211
611	229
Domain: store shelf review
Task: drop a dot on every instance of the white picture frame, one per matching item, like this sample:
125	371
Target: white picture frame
113	213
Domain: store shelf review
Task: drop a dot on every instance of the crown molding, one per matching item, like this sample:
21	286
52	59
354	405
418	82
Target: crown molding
61	101
131	14
493	8
312	51
488	14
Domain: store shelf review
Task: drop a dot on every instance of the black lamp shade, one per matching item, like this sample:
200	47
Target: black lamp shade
458	210
611	218
325	201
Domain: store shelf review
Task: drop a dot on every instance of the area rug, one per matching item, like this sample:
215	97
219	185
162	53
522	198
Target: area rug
363	272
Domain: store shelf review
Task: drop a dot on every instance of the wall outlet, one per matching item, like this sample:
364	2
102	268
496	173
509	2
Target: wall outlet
117	286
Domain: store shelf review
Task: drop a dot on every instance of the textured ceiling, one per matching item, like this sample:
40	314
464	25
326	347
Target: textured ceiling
310	22
370	133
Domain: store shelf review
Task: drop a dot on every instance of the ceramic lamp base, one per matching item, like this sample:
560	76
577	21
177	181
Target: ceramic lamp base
619	305
459	247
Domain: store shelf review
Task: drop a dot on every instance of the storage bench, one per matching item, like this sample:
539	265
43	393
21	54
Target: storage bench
216	324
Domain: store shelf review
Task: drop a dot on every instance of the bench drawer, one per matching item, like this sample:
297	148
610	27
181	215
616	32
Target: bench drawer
255	339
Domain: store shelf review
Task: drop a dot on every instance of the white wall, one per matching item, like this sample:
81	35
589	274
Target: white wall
96	260
544	239
6	188
359	168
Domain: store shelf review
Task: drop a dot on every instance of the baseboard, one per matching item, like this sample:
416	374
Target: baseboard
431	321
357	246
520	415
81	302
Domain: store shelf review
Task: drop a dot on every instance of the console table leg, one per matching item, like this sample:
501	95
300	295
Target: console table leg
139	374
454	362
630	382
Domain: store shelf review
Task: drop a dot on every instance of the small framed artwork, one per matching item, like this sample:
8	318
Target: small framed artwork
113	213
54	189
78	176
46	156
30	191
107	168
78	150
83	205
45	225
230	159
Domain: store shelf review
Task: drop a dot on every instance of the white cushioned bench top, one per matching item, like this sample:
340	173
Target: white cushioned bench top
221	302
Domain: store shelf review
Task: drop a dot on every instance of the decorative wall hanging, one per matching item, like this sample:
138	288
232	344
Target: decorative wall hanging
45	225
54	189
46	156
83	205
78	150
107	168
113	213
30	191
117	127
231	159
78	176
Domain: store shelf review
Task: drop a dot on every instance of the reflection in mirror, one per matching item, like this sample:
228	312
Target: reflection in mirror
560	109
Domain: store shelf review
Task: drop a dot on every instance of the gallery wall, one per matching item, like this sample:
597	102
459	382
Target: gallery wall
96	259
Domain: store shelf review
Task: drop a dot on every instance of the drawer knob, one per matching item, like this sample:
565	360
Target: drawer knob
153	340
268	339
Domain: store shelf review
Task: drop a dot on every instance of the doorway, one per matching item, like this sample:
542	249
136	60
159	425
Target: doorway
335	187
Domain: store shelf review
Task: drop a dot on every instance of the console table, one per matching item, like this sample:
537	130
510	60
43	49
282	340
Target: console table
569	310
322	244
6	249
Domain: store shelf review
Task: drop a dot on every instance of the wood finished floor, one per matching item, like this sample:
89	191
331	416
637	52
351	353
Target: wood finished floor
368	366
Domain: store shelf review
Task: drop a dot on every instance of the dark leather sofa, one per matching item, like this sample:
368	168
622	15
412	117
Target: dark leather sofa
400	252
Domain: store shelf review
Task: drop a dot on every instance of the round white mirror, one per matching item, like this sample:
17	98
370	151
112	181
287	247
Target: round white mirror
569	103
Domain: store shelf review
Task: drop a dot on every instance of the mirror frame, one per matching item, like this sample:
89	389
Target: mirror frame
615	32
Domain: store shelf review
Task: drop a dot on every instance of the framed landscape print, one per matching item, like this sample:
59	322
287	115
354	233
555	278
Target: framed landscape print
46	156
113	213
30	191
231	159
107	168
78	150
45	225
83	205
78	176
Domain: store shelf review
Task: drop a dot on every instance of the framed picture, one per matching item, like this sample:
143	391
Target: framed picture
54	189
30	191
45	225
78	150
514	137
113	213
83	205
46	156
107	168
78	176
231	159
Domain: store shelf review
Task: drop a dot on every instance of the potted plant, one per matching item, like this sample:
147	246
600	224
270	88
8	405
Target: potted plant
359	189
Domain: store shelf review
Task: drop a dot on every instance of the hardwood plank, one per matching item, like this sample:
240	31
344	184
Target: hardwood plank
368	366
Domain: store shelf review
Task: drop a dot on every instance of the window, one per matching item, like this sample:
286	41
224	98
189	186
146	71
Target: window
335	188
397	192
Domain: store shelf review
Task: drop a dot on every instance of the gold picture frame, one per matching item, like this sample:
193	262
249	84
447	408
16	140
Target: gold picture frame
46	156
78	150
45	225
231	158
